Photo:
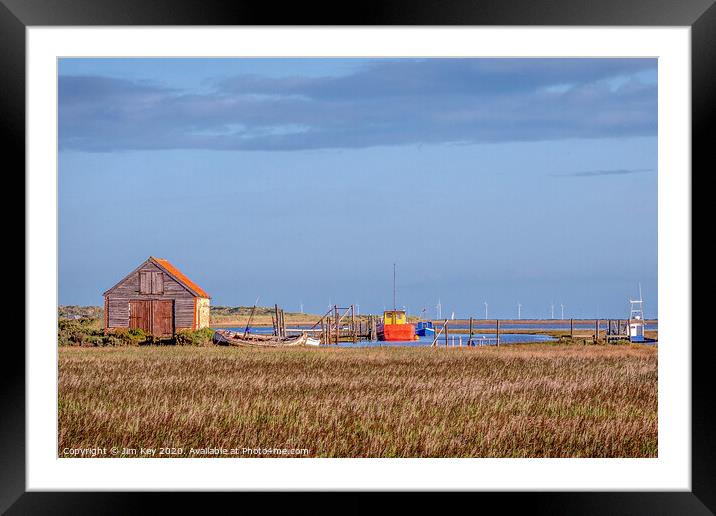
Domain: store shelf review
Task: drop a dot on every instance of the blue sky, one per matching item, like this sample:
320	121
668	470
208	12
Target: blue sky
529	181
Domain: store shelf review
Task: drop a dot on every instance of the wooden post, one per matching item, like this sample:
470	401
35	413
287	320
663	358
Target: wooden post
275	311
338	331
596	331
571	328
353	324
497	331
470	339
446	333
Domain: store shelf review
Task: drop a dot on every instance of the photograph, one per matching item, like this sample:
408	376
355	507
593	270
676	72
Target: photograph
357	257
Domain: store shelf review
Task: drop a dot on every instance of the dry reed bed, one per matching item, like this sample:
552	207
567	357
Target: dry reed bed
512	401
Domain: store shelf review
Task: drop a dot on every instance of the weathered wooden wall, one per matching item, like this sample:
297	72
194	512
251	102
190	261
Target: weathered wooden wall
118	299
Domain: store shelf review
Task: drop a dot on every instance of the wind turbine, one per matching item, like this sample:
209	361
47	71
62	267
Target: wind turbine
519	310
485	309
439	308
300	304
552	307
562	306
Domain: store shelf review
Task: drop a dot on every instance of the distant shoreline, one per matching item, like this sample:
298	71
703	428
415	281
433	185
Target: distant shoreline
294	318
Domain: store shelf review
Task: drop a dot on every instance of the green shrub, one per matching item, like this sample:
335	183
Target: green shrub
128	337
88	332
202	337
77	332
94	340
111	340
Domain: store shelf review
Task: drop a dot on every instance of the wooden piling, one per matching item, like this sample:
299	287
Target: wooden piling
446	333
497	332
282	323
275	317
470	330
571	328
336	322
596	331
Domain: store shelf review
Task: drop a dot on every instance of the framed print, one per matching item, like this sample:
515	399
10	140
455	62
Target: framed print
437	249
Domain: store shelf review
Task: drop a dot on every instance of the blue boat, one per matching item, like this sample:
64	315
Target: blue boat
424	328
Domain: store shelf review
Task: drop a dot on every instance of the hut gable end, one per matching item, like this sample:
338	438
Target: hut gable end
156	277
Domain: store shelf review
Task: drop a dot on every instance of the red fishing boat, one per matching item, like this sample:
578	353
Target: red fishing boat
395	326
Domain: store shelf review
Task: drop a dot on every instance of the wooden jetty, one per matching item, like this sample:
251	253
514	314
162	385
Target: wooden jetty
342	324
338	324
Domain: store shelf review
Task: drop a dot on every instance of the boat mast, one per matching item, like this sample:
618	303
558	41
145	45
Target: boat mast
394	287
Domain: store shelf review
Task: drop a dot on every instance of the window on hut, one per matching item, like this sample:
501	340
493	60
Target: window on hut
151	282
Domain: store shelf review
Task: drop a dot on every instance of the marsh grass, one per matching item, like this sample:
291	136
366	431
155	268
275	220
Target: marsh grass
550	400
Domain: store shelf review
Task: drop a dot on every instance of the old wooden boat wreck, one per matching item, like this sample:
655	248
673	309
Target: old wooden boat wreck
243	339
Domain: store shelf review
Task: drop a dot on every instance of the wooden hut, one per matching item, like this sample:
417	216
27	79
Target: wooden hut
158	298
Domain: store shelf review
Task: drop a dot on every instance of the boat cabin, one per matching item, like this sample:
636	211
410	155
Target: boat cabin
425	325
636	330
394	317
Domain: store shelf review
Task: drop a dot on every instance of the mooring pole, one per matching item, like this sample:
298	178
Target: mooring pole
353	324
275	311
497	331
571	328
338	331
596	331
470	339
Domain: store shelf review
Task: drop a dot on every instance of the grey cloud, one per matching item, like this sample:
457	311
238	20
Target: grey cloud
387	103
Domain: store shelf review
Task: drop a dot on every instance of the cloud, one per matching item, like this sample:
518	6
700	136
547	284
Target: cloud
390	102
615	172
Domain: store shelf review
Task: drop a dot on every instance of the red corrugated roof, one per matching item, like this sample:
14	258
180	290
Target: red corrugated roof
180	276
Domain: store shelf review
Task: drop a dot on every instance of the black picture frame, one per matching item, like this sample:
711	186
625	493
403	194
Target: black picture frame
700	15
